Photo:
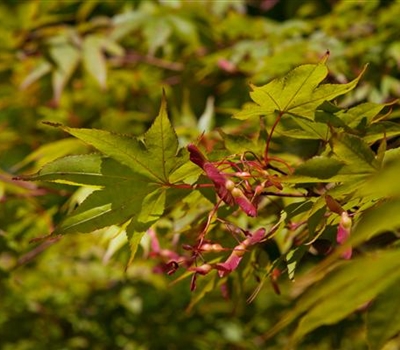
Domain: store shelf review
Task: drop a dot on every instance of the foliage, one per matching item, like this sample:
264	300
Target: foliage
296	195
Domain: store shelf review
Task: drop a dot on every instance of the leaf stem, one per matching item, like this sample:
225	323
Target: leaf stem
188	186
293	195
266	158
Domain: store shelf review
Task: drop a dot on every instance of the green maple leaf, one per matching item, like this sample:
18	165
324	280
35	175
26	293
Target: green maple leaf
299	93
131	176
156	156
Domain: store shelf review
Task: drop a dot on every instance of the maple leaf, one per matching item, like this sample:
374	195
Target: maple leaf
299	93
131	177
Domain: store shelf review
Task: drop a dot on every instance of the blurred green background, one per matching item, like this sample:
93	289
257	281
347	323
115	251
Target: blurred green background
104	64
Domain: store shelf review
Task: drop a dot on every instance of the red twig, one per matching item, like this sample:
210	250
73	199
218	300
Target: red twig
266	152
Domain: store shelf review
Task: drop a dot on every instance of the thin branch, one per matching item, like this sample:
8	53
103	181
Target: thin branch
294	195
31	255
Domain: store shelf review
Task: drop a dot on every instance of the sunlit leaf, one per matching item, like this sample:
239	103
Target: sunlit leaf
49	152
383	217
237	144
383	317
65	57
342	292
301	128
207	120
298	93
381	130
157	33
134	238
156	157
323	170
112	205
353	151
362	113
385	183
319	167
94	60
89	170
293	258
130	177
345	290
152	206
42	69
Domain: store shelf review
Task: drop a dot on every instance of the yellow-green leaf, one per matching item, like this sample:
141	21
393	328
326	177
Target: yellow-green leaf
298	93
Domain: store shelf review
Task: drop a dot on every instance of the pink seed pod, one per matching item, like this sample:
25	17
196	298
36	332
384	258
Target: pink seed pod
225	187
243	174
230	264
256	237
226	65
237	254
244	202
211	247
220	182
202	269
196	156
343	233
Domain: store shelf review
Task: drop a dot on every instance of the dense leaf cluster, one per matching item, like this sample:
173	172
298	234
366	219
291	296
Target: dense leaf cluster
286	205
142	181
